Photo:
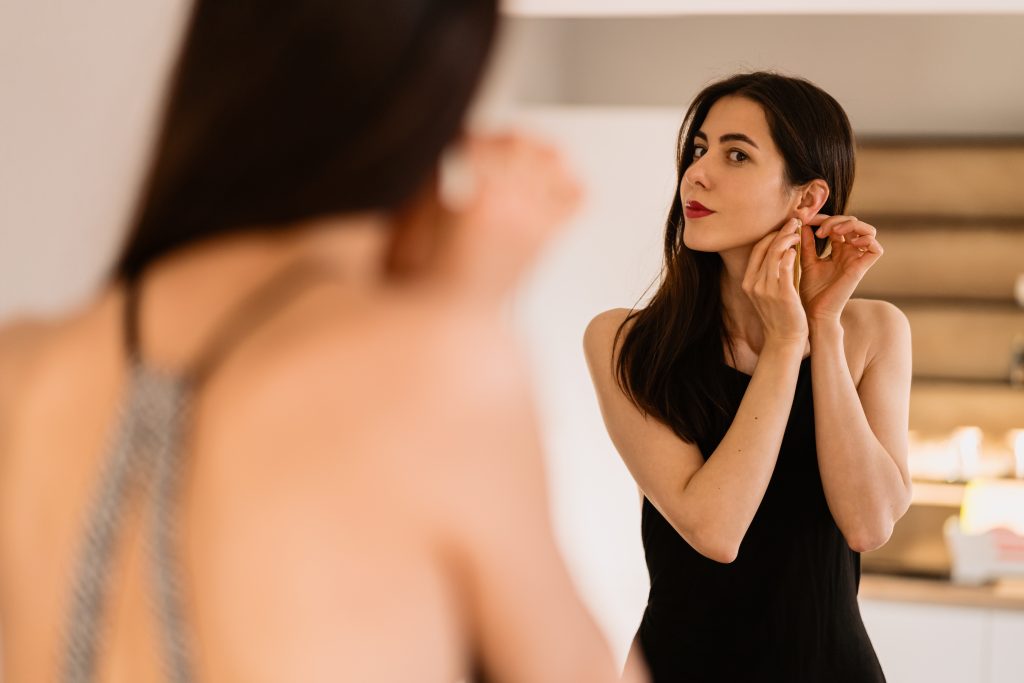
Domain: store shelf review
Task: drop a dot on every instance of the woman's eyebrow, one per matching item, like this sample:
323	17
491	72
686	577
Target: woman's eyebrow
729	136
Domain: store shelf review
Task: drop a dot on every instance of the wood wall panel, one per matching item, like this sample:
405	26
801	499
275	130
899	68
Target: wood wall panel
967	180
964	343
956	262
950	215
938	407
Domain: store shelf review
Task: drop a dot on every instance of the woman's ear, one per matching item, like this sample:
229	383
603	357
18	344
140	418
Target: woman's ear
811	198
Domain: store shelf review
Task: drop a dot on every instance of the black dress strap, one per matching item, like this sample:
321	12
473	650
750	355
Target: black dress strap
254	309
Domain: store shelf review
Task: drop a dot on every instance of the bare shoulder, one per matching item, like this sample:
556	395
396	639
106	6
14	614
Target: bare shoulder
875	325
601	331
875	321
17	339
407	399
873	311
20	343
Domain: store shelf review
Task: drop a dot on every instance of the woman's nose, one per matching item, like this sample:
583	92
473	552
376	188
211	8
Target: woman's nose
696	175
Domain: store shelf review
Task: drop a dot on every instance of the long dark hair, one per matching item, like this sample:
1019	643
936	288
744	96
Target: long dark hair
670	358
283	111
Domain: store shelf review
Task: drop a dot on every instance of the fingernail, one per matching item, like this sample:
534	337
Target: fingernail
820	232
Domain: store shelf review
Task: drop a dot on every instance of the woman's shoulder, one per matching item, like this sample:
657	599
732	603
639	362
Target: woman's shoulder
873	321
397	383
602	329
873	326
22	343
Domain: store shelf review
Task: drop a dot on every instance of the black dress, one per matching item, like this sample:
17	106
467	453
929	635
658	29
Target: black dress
786	608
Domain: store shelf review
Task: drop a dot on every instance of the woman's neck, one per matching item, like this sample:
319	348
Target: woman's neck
741	320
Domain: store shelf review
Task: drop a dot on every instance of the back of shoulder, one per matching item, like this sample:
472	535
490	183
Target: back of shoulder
418	369
20	341
599	336
879	322
601	331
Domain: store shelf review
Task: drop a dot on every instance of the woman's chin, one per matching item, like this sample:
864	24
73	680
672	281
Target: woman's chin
698	245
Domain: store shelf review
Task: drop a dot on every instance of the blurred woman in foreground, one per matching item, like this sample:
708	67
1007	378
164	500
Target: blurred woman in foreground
290	438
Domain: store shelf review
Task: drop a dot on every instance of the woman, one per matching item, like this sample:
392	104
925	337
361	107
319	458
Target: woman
765	425
295	386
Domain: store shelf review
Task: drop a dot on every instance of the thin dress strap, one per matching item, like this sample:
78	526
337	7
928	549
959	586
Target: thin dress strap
147	453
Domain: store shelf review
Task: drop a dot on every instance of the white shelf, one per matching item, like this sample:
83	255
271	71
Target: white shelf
627	8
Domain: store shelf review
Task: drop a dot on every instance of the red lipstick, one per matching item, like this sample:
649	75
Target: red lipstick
694	209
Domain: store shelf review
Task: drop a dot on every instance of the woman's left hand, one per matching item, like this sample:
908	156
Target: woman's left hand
827	284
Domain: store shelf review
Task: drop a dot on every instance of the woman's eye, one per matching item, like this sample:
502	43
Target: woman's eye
737	155
698	152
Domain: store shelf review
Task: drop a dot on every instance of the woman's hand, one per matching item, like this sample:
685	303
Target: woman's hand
768	282
827	284
507	195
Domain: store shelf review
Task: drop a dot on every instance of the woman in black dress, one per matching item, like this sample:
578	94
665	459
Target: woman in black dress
764	421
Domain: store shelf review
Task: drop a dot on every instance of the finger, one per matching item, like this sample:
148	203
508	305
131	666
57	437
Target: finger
756	261
854	227
784	243
808	254
867	244
828	225
786	267
847	227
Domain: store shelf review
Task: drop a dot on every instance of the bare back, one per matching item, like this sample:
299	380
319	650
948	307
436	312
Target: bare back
363	499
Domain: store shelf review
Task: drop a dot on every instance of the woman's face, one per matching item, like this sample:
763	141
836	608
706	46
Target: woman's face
735	190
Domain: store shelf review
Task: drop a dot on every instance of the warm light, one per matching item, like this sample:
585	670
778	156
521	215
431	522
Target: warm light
992	504
1016	439
967	443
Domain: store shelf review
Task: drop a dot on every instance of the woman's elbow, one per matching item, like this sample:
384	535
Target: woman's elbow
705	536
866	540
724	555
870	535
715	547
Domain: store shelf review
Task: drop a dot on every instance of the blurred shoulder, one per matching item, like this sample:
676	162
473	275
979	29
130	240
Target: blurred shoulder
21	341
21	346
400	382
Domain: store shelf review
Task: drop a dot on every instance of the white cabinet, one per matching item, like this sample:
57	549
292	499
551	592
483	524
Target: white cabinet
933	643
1007	647
918	643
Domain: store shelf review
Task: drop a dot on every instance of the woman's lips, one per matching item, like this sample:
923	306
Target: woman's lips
696	210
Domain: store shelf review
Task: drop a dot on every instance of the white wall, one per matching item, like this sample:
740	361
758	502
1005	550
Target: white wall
79	87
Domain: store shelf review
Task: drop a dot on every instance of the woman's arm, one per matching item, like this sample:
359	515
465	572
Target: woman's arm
528	621
711	504
861	431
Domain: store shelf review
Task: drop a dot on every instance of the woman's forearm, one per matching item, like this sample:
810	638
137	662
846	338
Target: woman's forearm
865	490
724	494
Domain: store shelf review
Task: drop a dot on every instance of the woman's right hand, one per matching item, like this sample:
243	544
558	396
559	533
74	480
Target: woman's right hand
768	282
519	194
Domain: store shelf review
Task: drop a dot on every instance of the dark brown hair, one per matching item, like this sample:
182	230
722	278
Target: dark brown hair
670	358
284	111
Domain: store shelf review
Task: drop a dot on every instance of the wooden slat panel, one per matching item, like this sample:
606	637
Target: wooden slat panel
964	343
937	408
943	179
946	262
